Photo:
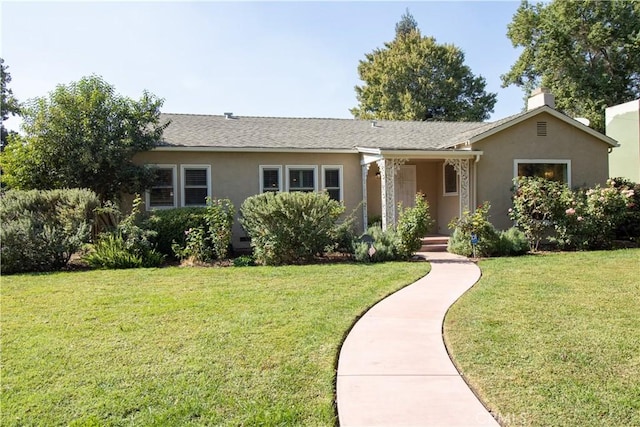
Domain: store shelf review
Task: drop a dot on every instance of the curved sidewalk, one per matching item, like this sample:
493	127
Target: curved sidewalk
393	368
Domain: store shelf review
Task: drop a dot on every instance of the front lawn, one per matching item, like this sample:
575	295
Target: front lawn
183	346
553	339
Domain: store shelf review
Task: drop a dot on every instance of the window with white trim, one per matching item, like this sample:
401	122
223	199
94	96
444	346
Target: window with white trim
162	193
270	178
449	180
332	181
302	178
555	170
196	184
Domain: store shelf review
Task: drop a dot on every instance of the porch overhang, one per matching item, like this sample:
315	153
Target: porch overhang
370	155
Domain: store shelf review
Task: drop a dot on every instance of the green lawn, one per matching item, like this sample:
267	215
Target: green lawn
182	346
553	340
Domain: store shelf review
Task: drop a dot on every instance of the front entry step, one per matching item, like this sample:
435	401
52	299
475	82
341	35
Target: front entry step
434	244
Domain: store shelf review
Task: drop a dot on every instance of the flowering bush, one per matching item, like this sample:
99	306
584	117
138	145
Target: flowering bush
581	219
413	224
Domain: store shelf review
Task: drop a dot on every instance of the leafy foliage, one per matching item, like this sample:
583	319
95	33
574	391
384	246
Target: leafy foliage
42	229
586	52
415	78
287	228
212	239
84	135
413	224
476	223
387	246
170	226
8	103
129	245
580	219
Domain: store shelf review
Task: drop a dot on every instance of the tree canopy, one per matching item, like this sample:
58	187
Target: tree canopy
587	52
415	78
8	103
84	135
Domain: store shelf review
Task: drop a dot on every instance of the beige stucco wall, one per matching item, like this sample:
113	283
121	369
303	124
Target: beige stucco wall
236	176
495	170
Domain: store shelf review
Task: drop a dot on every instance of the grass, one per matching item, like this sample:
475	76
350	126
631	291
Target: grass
182	346
553	339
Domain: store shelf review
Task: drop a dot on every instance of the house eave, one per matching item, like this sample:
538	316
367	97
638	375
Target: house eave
256	149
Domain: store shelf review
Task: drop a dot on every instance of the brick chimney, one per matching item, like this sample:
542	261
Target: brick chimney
539	97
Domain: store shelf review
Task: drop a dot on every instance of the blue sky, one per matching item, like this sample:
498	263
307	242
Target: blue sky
295	59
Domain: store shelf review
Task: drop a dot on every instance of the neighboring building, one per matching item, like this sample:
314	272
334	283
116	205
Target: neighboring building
372	166
623	125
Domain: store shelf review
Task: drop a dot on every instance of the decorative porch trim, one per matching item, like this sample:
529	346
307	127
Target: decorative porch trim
462	168
388	170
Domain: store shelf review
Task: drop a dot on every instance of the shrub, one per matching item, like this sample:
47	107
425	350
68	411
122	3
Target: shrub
386	244
130	245
211	240
536	202
413	224
42	229
170	226
512	242
629	226
244	261
474	223
288	228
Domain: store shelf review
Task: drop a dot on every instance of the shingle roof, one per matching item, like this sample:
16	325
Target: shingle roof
190	130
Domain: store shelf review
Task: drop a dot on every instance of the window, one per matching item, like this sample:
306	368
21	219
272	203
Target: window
162	192
301	178
195	184
556	170
270	178
450	180
332	181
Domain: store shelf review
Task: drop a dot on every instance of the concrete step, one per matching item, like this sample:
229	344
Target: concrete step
434	244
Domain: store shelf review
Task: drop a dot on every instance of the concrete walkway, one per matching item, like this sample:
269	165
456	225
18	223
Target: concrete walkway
394	370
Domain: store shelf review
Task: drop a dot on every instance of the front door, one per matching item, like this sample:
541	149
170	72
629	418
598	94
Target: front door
405	186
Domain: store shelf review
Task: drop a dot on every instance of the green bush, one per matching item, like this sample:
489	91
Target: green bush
474	223
413	224
171	225
212	240
40	230
629	226
130	245
288	228
386	246
244	261
512	242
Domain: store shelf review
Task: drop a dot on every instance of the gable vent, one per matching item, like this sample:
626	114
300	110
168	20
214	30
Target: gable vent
541	128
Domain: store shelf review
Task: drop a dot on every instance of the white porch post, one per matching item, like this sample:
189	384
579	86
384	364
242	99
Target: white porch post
388	169
462	168
365	217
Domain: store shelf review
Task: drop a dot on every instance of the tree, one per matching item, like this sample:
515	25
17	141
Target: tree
84	135
415	78
8	104
586	52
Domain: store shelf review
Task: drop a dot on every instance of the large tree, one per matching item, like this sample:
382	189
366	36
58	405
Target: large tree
84	135
415	78
587	52
8	104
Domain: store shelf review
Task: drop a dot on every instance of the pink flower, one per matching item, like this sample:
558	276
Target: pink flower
580	218
570	211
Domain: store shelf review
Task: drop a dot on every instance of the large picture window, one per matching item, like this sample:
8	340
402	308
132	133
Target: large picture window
162	193
196	186
270	179
332	181
555	170
301	178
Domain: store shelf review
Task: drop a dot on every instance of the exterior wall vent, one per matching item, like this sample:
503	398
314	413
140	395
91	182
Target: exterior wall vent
541	128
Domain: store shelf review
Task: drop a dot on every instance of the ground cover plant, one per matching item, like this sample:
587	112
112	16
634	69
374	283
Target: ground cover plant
553	339
183	346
